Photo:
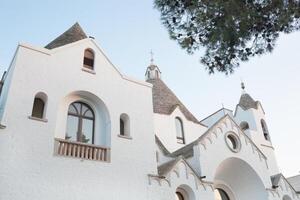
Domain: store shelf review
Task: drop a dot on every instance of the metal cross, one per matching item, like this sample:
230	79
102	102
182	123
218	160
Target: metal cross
151	56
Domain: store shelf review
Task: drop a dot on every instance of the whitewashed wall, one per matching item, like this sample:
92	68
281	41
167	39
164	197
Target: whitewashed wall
165	129
31	171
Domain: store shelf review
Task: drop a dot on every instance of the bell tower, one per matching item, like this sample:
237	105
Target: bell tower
250	116
152	71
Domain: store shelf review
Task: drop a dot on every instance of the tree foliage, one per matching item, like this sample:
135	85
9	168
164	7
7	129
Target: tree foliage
230	31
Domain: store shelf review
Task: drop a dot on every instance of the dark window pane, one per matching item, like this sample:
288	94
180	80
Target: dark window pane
179	131
38	108
122	127
88	63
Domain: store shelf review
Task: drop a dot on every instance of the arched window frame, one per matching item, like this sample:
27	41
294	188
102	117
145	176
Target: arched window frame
179	130
38	112
125	126
89	61
81	117
265	129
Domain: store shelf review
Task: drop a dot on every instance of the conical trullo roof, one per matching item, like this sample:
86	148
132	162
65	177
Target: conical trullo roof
165	101
247	102
73	34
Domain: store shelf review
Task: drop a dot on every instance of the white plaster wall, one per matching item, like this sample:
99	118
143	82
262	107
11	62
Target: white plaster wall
179	177
31	171
214	150
164	128
253	117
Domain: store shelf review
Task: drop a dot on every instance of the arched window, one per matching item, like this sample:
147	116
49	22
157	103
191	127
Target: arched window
80	123
179	131
124	125
38	108
88	61
265	129
244	126
221	195
39	105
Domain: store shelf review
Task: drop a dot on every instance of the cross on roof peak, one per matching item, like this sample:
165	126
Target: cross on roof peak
151	57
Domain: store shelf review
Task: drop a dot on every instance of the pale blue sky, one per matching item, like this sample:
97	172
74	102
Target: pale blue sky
127	30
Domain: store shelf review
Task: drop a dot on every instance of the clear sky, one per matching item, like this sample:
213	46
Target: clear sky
128	30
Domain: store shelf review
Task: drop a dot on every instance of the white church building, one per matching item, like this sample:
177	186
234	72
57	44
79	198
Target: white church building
72	127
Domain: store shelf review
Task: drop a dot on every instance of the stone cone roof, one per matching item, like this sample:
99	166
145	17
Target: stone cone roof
73	34
165	101
247	102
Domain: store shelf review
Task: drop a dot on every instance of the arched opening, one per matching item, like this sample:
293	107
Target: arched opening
96	107
235	179
184	192
286	197
124	125
244	126
39	105
265	129
88	60
179	131
80	123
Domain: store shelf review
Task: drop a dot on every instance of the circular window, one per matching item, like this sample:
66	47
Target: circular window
233	142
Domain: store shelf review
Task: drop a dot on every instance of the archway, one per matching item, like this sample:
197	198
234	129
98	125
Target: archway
235	179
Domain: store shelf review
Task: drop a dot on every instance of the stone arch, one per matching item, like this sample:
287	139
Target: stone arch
102	116
239	180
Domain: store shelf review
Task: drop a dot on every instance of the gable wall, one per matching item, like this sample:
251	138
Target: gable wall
164	127
27	146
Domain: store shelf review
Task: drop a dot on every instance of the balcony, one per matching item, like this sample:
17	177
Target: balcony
79	150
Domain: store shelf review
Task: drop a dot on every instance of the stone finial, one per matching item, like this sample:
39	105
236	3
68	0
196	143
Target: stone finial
243	85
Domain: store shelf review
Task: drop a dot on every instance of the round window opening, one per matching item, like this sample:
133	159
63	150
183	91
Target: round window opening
233	142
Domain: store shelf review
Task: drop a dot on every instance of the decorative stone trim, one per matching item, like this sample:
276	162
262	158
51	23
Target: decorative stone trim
80	150
267	146
38	119
125	137
88	70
